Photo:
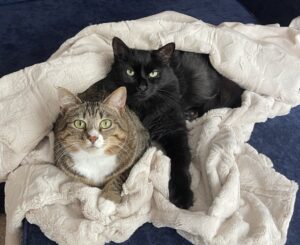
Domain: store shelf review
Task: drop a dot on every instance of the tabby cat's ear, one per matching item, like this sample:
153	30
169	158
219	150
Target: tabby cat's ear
117	99
119	47
165	52
66	99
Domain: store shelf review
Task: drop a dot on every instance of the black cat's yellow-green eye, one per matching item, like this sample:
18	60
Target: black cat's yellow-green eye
79	124
154	74
105	123
130	72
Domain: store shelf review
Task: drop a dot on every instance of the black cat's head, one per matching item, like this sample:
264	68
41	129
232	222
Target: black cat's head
144	73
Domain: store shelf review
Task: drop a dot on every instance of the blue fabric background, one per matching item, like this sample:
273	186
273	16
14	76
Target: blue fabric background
31	30
269	11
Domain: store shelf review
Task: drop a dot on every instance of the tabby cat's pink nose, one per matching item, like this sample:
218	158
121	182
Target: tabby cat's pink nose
92	138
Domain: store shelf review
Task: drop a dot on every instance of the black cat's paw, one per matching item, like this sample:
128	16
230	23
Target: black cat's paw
191	114
179	195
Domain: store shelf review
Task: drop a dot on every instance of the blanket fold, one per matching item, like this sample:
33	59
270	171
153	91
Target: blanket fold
239	197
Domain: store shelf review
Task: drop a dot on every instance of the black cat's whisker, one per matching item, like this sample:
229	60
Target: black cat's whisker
165	94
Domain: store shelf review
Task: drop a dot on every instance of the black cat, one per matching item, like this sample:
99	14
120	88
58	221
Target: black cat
166	87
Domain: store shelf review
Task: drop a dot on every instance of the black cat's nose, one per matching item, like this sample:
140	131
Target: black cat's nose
142	87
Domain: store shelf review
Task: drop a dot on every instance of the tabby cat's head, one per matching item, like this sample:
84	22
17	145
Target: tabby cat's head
95	127
144	73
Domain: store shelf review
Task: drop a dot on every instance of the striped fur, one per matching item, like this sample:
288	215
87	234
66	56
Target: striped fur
126	139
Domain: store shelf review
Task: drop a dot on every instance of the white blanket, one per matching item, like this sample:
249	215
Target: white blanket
240	198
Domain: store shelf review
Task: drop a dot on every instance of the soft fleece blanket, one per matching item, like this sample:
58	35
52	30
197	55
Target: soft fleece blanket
240	198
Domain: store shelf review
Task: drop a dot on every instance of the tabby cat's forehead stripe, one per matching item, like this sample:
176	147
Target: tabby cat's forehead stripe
96	111
90	109
84	114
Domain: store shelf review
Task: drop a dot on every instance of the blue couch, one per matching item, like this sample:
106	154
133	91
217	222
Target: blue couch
31	30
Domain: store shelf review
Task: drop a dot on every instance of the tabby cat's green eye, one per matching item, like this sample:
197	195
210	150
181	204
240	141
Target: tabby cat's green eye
105	123
153	74
130	72
79	124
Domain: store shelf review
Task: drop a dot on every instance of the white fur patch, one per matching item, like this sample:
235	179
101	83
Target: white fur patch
106	207
94	166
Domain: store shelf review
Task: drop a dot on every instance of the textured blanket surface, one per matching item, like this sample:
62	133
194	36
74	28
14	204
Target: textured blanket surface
240	199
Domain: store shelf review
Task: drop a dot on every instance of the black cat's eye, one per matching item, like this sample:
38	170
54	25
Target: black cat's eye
130	72
80	124
154	74
105	123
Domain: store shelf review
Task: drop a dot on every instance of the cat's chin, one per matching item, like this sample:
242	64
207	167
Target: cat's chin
142	96
93	149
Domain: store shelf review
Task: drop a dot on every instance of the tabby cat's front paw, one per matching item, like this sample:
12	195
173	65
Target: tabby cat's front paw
107	208
179	195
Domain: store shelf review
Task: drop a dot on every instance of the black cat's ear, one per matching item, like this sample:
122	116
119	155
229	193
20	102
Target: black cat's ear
117	99
66	99
119	47
165	52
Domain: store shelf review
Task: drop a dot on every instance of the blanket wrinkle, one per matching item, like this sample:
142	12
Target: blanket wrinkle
239	197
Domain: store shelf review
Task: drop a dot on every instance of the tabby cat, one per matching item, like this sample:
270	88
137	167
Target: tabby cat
98	142
166	87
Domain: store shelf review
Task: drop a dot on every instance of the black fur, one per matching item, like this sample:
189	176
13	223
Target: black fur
187	86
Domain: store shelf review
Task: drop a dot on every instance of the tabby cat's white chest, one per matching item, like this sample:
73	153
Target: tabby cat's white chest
94	167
